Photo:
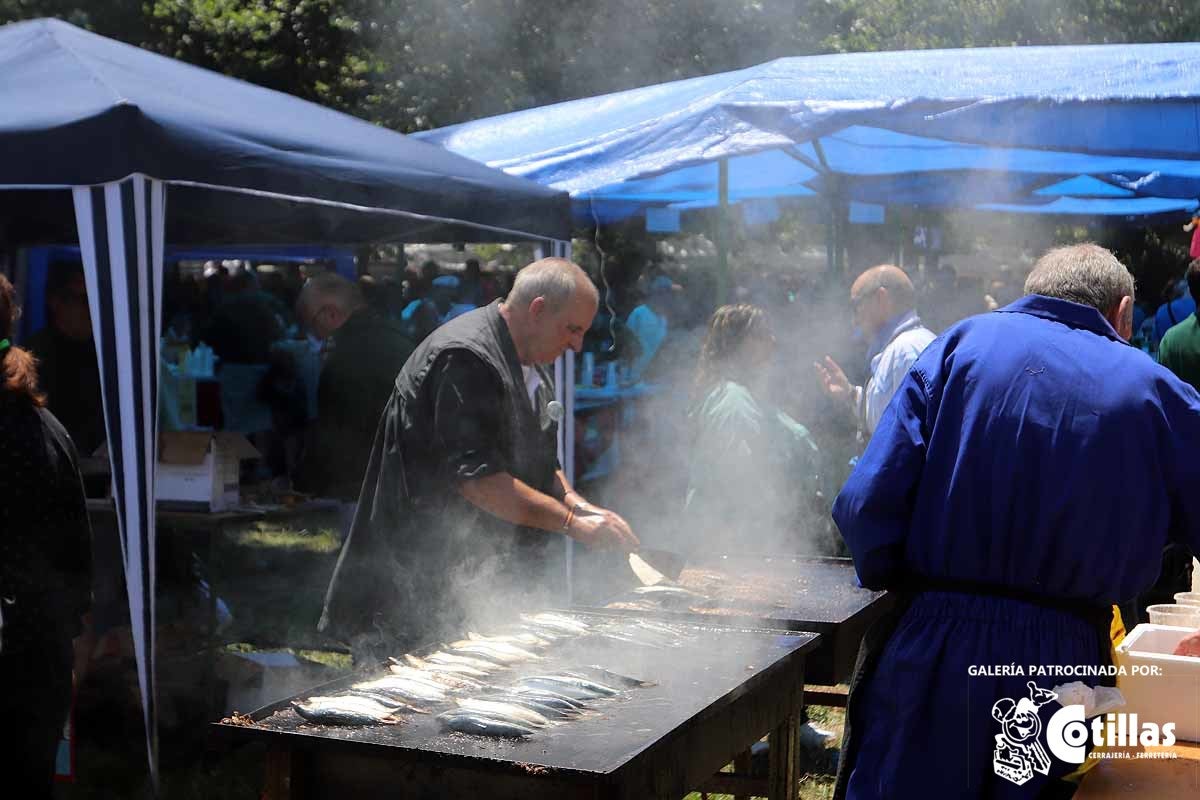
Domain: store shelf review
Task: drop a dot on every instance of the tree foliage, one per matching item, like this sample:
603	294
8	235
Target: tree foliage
413	64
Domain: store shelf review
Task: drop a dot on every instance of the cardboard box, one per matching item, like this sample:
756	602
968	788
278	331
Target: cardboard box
199	469
1171	690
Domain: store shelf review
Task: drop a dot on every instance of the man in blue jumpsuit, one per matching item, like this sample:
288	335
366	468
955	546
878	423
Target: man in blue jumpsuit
1024	478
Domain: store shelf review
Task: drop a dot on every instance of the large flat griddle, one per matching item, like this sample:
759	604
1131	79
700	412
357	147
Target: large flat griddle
794	593
714	696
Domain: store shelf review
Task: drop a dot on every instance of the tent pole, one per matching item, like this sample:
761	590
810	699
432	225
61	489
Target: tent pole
564	392
832	245
362	260
831	239
722	231
841	228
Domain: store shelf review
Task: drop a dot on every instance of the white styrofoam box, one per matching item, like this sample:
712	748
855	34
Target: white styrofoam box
1172	695
201	467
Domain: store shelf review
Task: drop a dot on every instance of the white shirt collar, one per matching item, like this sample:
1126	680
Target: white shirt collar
532	381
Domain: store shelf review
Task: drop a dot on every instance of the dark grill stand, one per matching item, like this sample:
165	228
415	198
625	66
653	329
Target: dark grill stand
717	695
792	593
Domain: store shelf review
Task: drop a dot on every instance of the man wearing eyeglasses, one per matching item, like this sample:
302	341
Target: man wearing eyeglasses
884	307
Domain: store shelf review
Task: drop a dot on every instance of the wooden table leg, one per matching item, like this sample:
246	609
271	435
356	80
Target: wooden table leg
278	783
741	766
784	778
209	572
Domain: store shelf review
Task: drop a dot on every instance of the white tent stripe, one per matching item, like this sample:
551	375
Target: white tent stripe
126	332
158	215
157	222
147	323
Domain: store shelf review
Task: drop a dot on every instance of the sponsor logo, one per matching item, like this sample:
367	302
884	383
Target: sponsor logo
1019	753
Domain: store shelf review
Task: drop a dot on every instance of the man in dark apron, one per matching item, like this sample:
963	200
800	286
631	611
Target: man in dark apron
1023	480
463	495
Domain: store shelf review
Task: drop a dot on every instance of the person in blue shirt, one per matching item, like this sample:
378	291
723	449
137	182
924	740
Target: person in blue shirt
1024	479
649	324
1178	307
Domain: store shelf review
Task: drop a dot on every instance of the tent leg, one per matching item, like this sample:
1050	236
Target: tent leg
831	240
722	232
564	392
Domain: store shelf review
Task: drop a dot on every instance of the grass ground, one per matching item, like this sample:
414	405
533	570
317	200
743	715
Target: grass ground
273	579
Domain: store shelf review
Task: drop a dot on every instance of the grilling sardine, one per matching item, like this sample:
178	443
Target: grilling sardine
345	710
404	689
572	682
501	710
497	651
452	669
483	725
482	664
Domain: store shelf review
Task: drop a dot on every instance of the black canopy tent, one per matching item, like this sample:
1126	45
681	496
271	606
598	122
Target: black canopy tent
127	150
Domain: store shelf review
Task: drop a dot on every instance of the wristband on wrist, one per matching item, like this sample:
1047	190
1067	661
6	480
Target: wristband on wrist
570	517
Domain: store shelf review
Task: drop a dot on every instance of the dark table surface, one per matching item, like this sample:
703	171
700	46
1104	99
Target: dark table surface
797	593
246	512
710	669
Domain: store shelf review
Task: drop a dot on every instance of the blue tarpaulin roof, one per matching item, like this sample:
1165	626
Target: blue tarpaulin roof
80	109
944	127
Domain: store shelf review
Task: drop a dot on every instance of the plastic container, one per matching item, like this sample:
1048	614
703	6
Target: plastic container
1170	691
1170	614
1188	598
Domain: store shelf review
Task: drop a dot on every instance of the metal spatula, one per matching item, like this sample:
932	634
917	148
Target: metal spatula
655	566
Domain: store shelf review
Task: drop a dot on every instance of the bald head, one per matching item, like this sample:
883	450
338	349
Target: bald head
550	307
326	302
881	294
893	280
555	279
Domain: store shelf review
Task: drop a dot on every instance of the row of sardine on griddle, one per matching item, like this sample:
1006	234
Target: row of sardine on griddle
464	675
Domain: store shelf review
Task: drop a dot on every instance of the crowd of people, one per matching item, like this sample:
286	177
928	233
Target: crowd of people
1011	476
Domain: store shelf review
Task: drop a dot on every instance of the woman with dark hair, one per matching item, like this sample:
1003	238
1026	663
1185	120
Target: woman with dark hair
753	478
45	567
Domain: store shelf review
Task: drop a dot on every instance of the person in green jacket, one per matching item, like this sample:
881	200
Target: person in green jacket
753	478
1179	350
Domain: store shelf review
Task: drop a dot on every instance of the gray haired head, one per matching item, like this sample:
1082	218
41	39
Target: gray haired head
329	287
1082	273
555	279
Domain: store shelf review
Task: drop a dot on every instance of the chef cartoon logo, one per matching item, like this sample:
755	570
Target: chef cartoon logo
1019	752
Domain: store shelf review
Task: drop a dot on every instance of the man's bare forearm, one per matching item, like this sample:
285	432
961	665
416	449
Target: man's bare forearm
564	489
515	501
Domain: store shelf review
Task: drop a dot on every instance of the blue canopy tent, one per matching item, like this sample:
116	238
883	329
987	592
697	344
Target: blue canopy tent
97	136
942	128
